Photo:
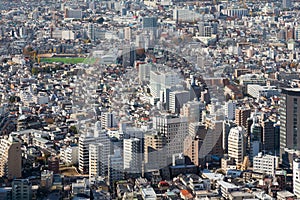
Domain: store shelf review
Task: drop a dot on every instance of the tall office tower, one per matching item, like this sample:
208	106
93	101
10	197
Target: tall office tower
230	107
177	99
289	121
296	177
236	147
108	120
96	137
128	55
268	136
193	111
241	116
91	32
286	4
10	158
21	189
96	158
255	138
162	80
127	33
154	156
132	152
115	167
175	129
144	72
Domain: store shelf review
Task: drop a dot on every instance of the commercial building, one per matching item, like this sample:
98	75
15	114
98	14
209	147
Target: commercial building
175	129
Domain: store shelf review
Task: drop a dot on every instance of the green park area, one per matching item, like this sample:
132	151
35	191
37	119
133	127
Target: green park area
69	60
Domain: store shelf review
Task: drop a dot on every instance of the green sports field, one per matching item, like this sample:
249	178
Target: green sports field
69	60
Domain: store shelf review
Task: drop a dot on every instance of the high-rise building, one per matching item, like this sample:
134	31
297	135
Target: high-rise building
268	136
236	147
177	99
99	136
132	152
241	116
144	72
161	81
227	125
91	32
175	129
230	107
193	142
96	157
10	158
296	177
154	156
115	167
289	120
21	189
108	120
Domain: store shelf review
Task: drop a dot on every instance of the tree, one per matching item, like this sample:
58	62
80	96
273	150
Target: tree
73	129
34	71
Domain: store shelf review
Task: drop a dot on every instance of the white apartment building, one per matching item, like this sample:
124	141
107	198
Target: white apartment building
230	107
132	152
265	164
69	155
236	147
177	99
99	136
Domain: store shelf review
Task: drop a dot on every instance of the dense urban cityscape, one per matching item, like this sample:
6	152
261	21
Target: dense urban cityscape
149	100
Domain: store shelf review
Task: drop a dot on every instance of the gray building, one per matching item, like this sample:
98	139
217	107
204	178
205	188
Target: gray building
289	120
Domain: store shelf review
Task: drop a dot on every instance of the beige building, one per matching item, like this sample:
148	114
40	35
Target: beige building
154	156
10	158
